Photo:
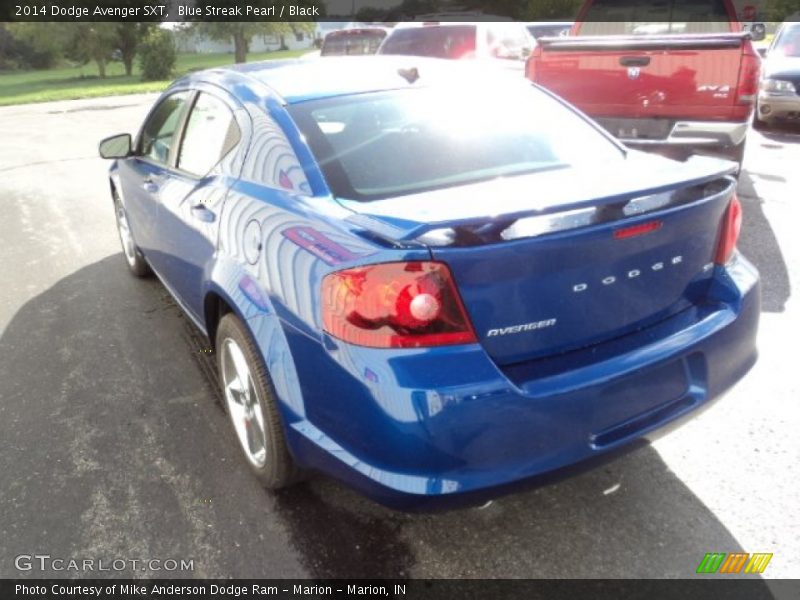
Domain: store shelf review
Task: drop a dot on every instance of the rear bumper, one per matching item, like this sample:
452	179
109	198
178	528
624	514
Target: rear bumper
692	134
443	426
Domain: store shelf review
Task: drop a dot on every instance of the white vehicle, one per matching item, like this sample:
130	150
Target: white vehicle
505	40
779	93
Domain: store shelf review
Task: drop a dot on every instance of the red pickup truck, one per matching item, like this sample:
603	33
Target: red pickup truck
675	76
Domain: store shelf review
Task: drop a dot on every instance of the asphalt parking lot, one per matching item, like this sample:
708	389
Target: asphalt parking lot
114	444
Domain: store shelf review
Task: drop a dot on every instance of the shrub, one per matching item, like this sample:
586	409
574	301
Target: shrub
16	53
157	55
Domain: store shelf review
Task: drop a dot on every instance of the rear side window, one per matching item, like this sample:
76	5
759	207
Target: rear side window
211	132
271	160
633	17
352	43
456	41
158	133
379	145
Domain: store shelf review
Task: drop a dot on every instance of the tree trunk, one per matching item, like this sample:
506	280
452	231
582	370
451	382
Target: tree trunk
240	47
101	66
127	60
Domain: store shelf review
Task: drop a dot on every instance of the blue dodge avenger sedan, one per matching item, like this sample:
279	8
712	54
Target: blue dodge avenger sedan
431	280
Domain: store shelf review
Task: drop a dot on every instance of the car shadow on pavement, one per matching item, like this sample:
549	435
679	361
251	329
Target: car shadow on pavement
786	133
114	447
760	246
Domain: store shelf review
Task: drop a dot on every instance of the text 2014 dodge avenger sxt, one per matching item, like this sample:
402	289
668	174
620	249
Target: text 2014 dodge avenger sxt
429	280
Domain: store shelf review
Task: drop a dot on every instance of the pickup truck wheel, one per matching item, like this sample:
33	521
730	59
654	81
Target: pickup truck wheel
133	256
732	153
737	154
251	405
758	122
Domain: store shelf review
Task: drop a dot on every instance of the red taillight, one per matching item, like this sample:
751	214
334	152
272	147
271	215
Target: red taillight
729	232
749	74
636	230
395	305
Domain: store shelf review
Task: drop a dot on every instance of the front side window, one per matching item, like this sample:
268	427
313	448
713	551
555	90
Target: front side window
158	133
378	145
211	132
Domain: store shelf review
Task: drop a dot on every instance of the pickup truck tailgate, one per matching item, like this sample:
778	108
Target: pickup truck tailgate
689	76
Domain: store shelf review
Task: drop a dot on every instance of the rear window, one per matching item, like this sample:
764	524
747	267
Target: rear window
633	17
538	31
456	41
385	144
349	43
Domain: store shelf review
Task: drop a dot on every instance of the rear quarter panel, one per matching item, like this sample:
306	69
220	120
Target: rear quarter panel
280	234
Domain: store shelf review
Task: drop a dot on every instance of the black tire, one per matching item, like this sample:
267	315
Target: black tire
733	153
130	251
758	122
278	469
737	154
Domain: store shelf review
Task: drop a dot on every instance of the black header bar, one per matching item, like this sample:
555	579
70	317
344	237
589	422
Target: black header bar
110	589
389	11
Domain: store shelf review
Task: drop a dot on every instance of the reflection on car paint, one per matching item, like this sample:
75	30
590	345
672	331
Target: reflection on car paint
272	159
252	293
319	245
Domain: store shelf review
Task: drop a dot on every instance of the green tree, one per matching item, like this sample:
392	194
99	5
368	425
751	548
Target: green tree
370	14
541	10
129	36
411	8
157	55
242	33
42	44
780	10
92	41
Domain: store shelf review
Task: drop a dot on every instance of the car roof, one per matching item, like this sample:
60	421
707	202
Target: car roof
299	80
433	23
354	30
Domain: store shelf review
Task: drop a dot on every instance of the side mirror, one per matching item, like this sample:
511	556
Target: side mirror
525	52
116	146
758	31
762	52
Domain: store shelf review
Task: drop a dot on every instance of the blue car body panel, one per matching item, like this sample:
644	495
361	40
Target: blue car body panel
409	426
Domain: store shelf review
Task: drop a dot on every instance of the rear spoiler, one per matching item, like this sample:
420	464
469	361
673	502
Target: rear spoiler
642	42
696	171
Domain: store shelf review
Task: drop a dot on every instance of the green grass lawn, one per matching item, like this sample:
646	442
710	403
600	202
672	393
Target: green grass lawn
82	82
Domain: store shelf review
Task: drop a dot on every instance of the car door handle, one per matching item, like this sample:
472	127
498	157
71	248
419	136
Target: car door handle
203	213
634	61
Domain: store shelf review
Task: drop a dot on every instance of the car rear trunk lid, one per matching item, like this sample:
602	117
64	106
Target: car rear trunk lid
562	260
